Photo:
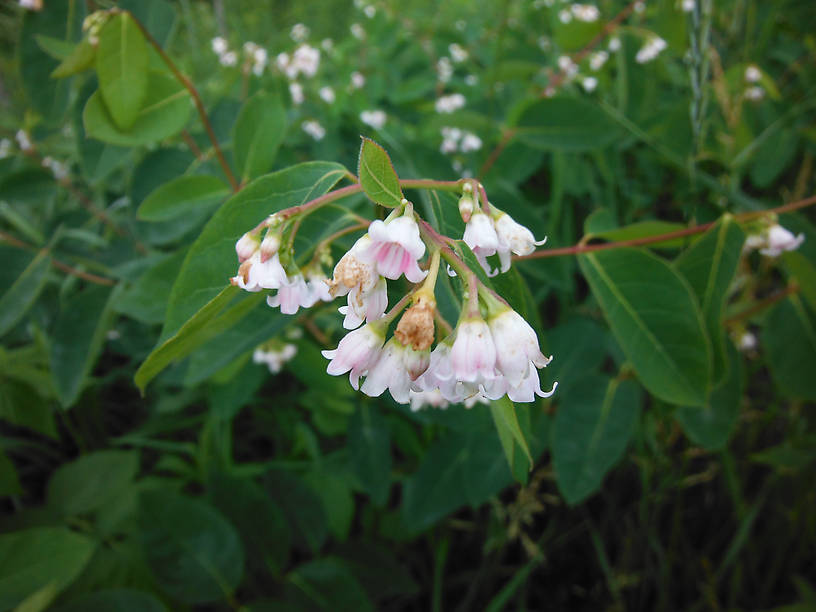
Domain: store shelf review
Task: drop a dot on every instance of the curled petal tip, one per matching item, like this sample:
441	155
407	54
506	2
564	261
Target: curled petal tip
551	391
541	242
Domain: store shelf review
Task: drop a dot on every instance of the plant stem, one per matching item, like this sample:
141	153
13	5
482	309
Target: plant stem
689	231
202	113
763	304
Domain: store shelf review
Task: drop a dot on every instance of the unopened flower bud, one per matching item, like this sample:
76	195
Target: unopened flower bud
416	327
270	244
247	245
466	204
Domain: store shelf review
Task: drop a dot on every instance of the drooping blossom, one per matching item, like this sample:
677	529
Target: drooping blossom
480	235
327	94
752	74
513	237
650	50
516	345
396	247
356	353
356	275
774	240
395	369
597	60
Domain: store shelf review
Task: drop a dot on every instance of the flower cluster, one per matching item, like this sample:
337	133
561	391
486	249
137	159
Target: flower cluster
650	50
494	233
774	240
374	118
274	355
454	139
491	352
261	268
450	103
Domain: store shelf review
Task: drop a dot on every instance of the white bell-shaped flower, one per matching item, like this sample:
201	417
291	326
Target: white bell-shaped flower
513	237
396	248
357	352
480	235
516	345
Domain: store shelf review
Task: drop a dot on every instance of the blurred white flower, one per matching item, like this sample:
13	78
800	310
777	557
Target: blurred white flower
444	69
687	6
470	142
305	60
471	80
589	83
219	45
567	66
327	44
299	32
5	148
747	342
614	44
314	129
752	74
274	359
357	31
460	25
457	52
370	11
773	241
296	93
58	169
640	7
598	59
755	93
260	58
564	16
230	58
374	118
650	50
585	12
544	43
357	80
326	94
23	141
32	5
449	103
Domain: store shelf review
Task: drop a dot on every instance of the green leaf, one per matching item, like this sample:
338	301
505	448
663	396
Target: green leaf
578	348
34	558
260	522
91	481
164	113
9	482
77	339
301	506
507	426
377	176
328	584
17	299
212	319
195	555
337	499
121	66
369	443
258	132
80	59
711	425
790	340
182	195
709	266
803	272
158	16
592	428
211	261
146	299
57	48
114	600
656	319
563	124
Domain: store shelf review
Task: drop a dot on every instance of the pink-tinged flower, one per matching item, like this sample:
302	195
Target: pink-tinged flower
396	247
254	274
480	236
365	305
357	352
292	295
780	240
513	236
439	373
395	370
420	399
528	387
319	286
516	345
356	275
473	354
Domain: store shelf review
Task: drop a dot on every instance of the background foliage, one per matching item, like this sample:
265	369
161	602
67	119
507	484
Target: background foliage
674	467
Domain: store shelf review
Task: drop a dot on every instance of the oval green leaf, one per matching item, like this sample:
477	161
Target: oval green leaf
656	320
121	66
564	124
258	132
164	113
592	428
790	339
194	553
182	195
18	298
377	176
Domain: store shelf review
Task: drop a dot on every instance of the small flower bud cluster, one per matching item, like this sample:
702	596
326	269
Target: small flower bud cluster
314	129
457	52
257	56
494	234
455	140
357	80
261	268
58	169
226	57
274	355
585	12
650	50
450	103
444	69
374	118
23	141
